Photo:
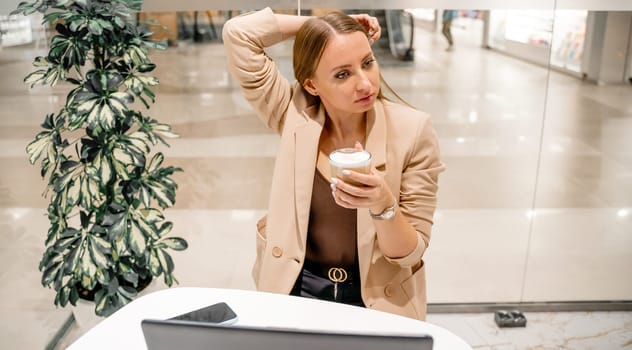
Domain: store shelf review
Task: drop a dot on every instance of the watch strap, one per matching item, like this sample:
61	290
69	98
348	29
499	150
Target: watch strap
386	214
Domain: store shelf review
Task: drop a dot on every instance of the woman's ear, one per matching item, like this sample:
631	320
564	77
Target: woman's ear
308	85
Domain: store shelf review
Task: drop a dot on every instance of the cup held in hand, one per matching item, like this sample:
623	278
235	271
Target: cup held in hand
349	159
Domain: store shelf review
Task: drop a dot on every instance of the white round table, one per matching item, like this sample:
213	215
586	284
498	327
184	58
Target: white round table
122	330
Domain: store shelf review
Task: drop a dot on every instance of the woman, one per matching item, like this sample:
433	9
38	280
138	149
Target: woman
323	237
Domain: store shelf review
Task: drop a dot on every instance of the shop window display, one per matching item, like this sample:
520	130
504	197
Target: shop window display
569	33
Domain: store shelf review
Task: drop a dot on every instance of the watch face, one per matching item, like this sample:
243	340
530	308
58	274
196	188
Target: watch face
389	213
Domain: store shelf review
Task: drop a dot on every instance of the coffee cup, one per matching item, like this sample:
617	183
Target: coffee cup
349	159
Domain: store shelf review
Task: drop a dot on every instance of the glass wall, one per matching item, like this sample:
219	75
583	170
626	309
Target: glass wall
532	107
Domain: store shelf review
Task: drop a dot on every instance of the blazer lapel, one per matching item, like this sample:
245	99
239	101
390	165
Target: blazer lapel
376	145
306	137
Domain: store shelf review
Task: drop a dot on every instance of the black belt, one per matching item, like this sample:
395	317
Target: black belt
338	284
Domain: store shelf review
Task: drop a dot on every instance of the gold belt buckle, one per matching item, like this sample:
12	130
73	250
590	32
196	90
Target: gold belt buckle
337	275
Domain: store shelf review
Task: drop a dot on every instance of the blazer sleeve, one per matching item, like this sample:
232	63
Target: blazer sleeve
418	191
245	38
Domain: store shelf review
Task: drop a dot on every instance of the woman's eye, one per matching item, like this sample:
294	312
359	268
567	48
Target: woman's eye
342	75
369	62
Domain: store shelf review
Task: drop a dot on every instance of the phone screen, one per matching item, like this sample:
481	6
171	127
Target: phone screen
219	313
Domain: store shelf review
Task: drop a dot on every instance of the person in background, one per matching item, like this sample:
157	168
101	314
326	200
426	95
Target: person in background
324	237
447	18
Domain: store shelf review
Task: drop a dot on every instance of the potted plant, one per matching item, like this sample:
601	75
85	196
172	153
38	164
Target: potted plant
107	235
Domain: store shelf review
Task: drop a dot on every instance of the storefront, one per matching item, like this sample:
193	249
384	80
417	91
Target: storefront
15	30
540	36
569	34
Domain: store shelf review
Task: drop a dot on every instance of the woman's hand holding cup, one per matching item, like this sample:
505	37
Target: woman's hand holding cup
355	183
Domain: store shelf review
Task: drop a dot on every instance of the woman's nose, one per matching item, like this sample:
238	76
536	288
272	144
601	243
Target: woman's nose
363	83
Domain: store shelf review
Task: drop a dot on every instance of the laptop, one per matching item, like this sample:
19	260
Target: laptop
187	334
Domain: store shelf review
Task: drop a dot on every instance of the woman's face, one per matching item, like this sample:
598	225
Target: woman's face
347	78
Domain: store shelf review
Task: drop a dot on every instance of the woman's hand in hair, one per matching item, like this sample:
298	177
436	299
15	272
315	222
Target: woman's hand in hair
371	24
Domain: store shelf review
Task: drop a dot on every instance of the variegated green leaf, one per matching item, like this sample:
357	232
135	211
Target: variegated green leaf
122	97
137	239
134	84
101	302
155	162
88	281
105	170
103	276
63	295
147	229
127	292
93	116
152	215
161	194
40	61
93	188
175	243
117	107
35	77
164	130
53	75
165	260
88	268
74	296
95	27
37	146
123	157
118	227
86	193
119	22
154	263
63	181
72	259
145	196
74	189
169	279
148	80
106	117
87	107
166	228
139	143
99	258
50	273
100	243
120	247
121	170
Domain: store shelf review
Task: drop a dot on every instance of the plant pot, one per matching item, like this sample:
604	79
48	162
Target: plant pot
84	315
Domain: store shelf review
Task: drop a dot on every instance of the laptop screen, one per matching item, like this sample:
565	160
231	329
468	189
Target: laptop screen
187	335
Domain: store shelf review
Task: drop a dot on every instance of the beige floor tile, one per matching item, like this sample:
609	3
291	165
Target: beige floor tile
580	254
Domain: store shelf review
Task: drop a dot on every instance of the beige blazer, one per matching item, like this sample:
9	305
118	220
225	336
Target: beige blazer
404	149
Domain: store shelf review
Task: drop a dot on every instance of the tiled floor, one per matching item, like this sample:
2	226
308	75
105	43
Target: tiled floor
499	235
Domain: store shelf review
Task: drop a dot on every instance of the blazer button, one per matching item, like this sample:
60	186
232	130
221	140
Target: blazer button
388	290
277	252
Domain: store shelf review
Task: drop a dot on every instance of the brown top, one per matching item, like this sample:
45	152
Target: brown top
331	232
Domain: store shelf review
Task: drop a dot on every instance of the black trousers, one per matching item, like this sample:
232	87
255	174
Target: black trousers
316	282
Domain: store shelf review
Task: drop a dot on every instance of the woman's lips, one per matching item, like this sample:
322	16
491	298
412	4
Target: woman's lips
366	99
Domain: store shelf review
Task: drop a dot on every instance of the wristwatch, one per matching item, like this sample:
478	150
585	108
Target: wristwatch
386	214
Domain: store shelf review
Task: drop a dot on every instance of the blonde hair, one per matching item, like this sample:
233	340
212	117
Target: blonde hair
312	38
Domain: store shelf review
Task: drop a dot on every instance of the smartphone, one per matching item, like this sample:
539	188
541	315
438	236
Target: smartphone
219	313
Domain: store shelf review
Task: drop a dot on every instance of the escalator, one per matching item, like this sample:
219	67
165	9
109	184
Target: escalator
394	40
